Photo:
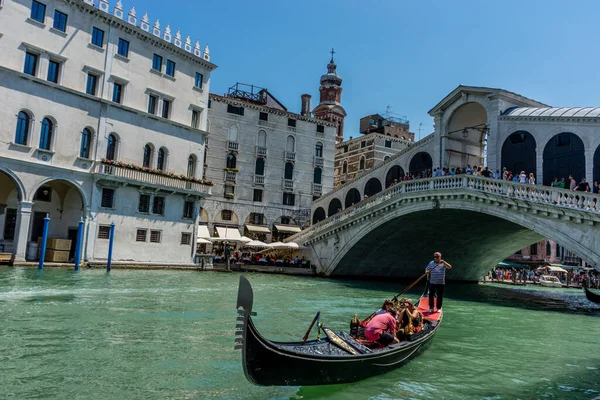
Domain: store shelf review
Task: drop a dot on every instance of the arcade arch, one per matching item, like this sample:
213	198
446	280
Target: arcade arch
466	134
65	203
319	215
352	197
395	172
334	205
564	155
519	153
420	162
372	187
597	165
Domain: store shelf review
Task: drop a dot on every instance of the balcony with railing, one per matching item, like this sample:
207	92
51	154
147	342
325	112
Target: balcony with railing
288	184
317	188
261	151
233	146
290	156
259	179
135	176
319	161
230	176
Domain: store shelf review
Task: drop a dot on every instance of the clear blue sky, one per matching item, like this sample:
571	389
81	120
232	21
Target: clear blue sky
405	54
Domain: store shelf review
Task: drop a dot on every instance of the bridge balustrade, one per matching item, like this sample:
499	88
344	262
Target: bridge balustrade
535	193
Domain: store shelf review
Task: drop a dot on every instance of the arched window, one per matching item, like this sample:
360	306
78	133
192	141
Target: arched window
261	141
361	164
289	171
259	169
290	145
232	135
46	134
111	147
319	149
147	156
23	123
231	160
191	167
345	167
86	143
161	159
317	175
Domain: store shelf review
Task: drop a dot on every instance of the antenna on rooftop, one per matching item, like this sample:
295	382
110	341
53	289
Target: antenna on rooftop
420	126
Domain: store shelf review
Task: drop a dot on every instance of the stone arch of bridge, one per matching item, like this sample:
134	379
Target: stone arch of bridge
474	236
519	153
319	215
597	165
420	162
352	197
466	132
335	205
372	187
395	172
564	155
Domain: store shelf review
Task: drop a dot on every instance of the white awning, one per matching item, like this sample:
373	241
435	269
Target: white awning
226	233
556	269
258	228
287	228
203	232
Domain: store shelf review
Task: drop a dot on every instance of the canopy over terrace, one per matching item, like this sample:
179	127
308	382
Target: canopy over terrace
258	228
287	228
228	234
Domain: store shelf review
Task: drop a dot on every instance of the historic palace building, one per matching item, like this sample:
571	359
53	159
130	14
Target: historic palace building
104	119
267	165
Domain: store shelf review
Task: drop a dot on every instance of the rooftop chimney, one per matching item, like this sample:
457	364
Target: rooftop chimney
305	105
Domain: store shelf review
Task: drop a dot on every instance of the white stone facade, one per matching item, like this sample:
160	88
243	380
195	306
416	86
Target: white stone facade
75	84
249	138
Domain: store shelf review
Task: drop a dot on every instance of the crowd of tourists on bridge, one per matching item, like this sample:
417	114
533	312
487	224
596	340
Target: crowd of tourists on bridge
507	175
575	278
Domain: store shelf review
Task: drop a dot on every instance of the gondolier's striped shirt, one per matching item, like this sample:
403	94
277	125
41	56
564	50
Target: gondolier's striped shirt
438	273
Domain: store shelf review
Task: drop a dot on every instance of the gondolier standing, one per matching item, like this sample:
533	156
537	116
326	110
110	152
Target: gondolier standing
437	280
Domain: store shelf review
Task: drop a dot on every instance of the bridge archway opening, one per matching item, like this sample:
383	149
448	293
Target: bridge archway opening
372	187
519	154
597	165
319	215
420	162
466	136
396	172
335	206
564	155
490	240
352	197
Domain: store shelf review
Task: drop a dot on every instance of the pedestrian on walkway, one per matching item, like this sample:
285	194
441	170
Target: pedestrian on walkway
437	280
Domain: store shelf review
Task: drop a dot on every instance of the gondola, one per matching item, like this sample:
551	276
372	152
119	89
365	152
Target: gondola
591	296
337	358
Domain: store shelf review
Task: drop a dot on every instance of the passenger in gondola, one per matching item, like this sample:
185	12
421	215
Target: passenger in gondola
382	328
384	308
410	319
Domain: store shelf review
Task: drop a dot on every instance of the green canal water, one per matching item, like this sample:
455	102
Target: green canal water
169	335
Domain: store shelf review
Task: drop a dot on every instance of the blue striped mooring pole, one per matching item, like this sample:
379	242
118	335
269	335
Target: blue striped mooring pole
78	244
44	241
110	245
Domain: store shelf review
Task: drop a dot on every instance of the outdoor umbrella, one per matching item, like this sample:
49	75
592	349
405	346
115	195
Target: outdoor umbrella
256	243
203	241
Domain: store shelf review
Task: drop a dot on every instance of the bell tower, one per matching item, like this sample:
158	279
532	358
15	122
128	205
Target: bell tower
330	107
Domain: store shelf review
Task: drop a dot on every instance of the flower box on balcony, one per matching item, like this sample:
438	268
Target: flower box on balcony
168	174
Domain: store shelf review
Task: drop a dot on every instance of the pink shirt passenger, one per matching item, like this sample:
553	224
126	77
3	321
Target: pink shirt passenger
379	324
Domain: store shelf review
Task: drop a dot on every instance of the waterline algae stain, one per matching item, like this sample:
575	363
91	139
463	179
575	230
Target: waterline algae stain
169	334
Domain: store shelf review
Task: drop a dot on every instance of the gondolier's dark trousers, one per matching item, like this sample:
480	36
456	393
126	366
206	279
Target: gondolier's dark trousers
433	289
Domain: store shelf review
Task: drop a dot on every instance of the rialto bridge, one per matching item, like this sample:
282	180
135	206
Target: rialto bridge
472	126
475	222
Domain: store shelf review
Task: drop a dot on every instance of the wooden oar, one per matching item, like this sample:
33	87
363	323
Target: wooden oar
399	294
410	287
305	337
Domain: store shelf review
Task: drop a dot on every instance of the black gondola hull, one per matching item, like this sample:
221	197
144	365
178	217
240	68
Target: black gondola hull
593	297
267	363
313	363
